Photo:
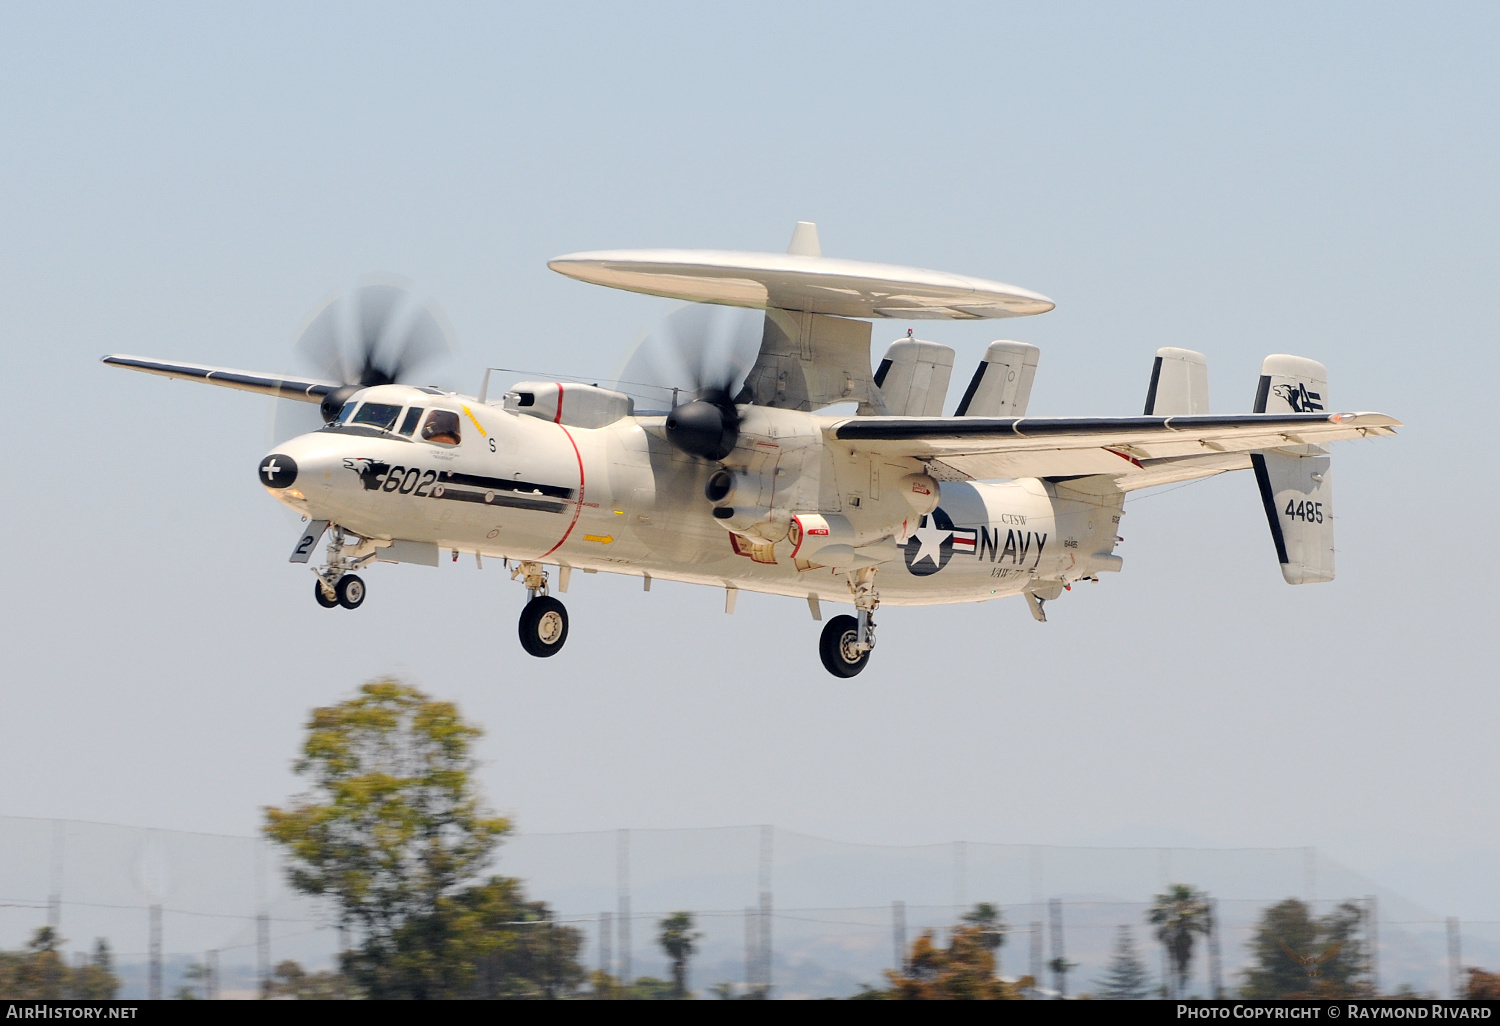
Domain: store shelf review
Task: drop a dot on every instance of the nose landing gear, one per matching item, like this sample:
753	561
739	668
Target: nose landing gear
337	585
544	620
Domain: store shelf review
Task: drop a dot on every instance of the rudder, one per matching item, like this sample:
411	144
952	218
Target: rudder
1296	485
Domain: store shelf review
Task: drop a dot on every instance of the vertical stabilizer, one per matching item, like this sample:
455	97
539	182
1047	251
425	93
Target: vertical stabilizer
1179	384
1001	385
1296	481
805	240
913	377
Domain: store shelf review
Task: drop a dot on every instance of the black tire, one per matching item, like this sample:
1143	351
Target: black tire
351	591
324	600
838	639
544	626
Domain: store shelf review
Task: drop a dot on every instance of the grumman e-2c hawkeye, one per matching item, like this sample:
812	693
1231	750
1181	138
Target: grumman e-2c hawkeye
745	485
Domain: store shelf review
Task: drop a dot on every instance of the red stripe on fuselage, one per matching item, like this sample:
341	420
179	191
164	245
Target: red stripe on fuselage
578	509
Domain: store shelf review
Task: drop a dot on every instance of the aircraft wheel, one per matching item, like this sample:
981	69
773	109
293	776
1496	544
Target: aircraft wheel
322	596
544	626
836	647
351	591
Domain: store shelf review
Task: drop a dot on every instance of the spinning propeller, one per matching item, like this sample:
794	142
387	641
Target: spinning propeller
377	334
702	354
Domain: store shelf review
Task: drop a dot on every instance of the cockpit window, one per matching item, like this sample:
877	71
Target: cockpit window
346	412
409	422
441	427
381	415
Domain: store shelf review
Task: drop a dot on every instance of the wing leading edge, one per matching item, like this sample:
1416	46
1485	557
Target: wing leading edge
302	389
1137	451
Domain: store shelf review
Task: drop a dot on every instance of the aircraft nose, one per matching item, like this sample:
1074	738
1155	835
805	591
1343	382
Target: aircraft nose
277	470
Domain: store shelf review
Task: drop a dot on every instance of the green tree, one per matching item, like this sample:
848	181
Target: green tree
1287	933
965	971
393	832
290	980
986	918
1178	916
679	941
39	973
1127	979
96	980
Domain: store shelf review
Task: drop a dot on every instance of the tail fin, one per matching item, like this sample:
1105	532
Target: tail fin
1179	384
1001	385
1296	482
913	377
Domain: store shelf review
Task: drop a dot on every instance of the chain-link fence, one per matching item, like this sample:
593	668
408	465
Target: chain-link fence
790	913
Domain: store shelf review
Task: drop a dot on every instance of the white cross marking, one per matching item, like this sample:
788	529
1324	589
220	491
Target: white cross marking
271	470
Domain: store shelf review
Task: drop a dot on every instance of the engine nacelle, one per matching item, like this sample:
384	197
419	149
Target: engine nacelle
831	540
920	492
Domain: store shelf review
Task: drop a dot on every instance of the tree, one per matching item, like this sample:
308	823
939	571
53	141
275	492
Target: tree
679	941
290	980
39	973
1482	986
1178	915
986	918
96	980
393	832
1127	979
1287	932
965	971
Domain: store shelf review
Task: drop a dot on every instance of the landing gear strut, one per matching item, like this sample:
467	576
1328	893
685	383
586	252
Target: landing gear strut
847	641
544	620
337	585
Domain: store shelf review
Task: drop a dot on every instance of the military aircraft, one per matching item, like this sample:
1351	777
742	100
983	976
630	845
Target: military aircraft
759	480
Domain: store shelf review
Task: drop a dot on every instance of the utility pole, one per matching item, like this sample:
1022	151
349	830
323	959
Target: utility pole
1372	940
1059	962
211	971
1036	955
1215	962
262	919
606	955
767	835
263	952
153	978
1455	960
752	948
622	884
960	880
898	934
54	895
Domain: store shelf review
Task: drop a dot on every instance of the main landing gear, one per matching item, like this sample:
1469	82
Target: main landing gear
847	641
337	584
544	620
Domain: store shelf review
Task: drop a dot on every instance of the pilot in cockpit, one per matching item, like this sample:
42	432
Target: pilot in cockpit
441	427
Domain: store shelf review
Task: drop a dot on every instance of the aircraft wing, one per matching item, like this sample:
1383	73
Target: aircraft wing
302	389
1137	451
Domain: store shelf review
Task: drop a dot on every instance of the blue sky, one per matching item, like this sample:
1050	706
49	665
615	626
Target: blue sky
189	181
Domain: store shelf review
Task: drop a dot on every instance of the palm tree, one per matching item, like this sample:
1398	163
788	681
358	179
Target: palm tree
679	941
1177	915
